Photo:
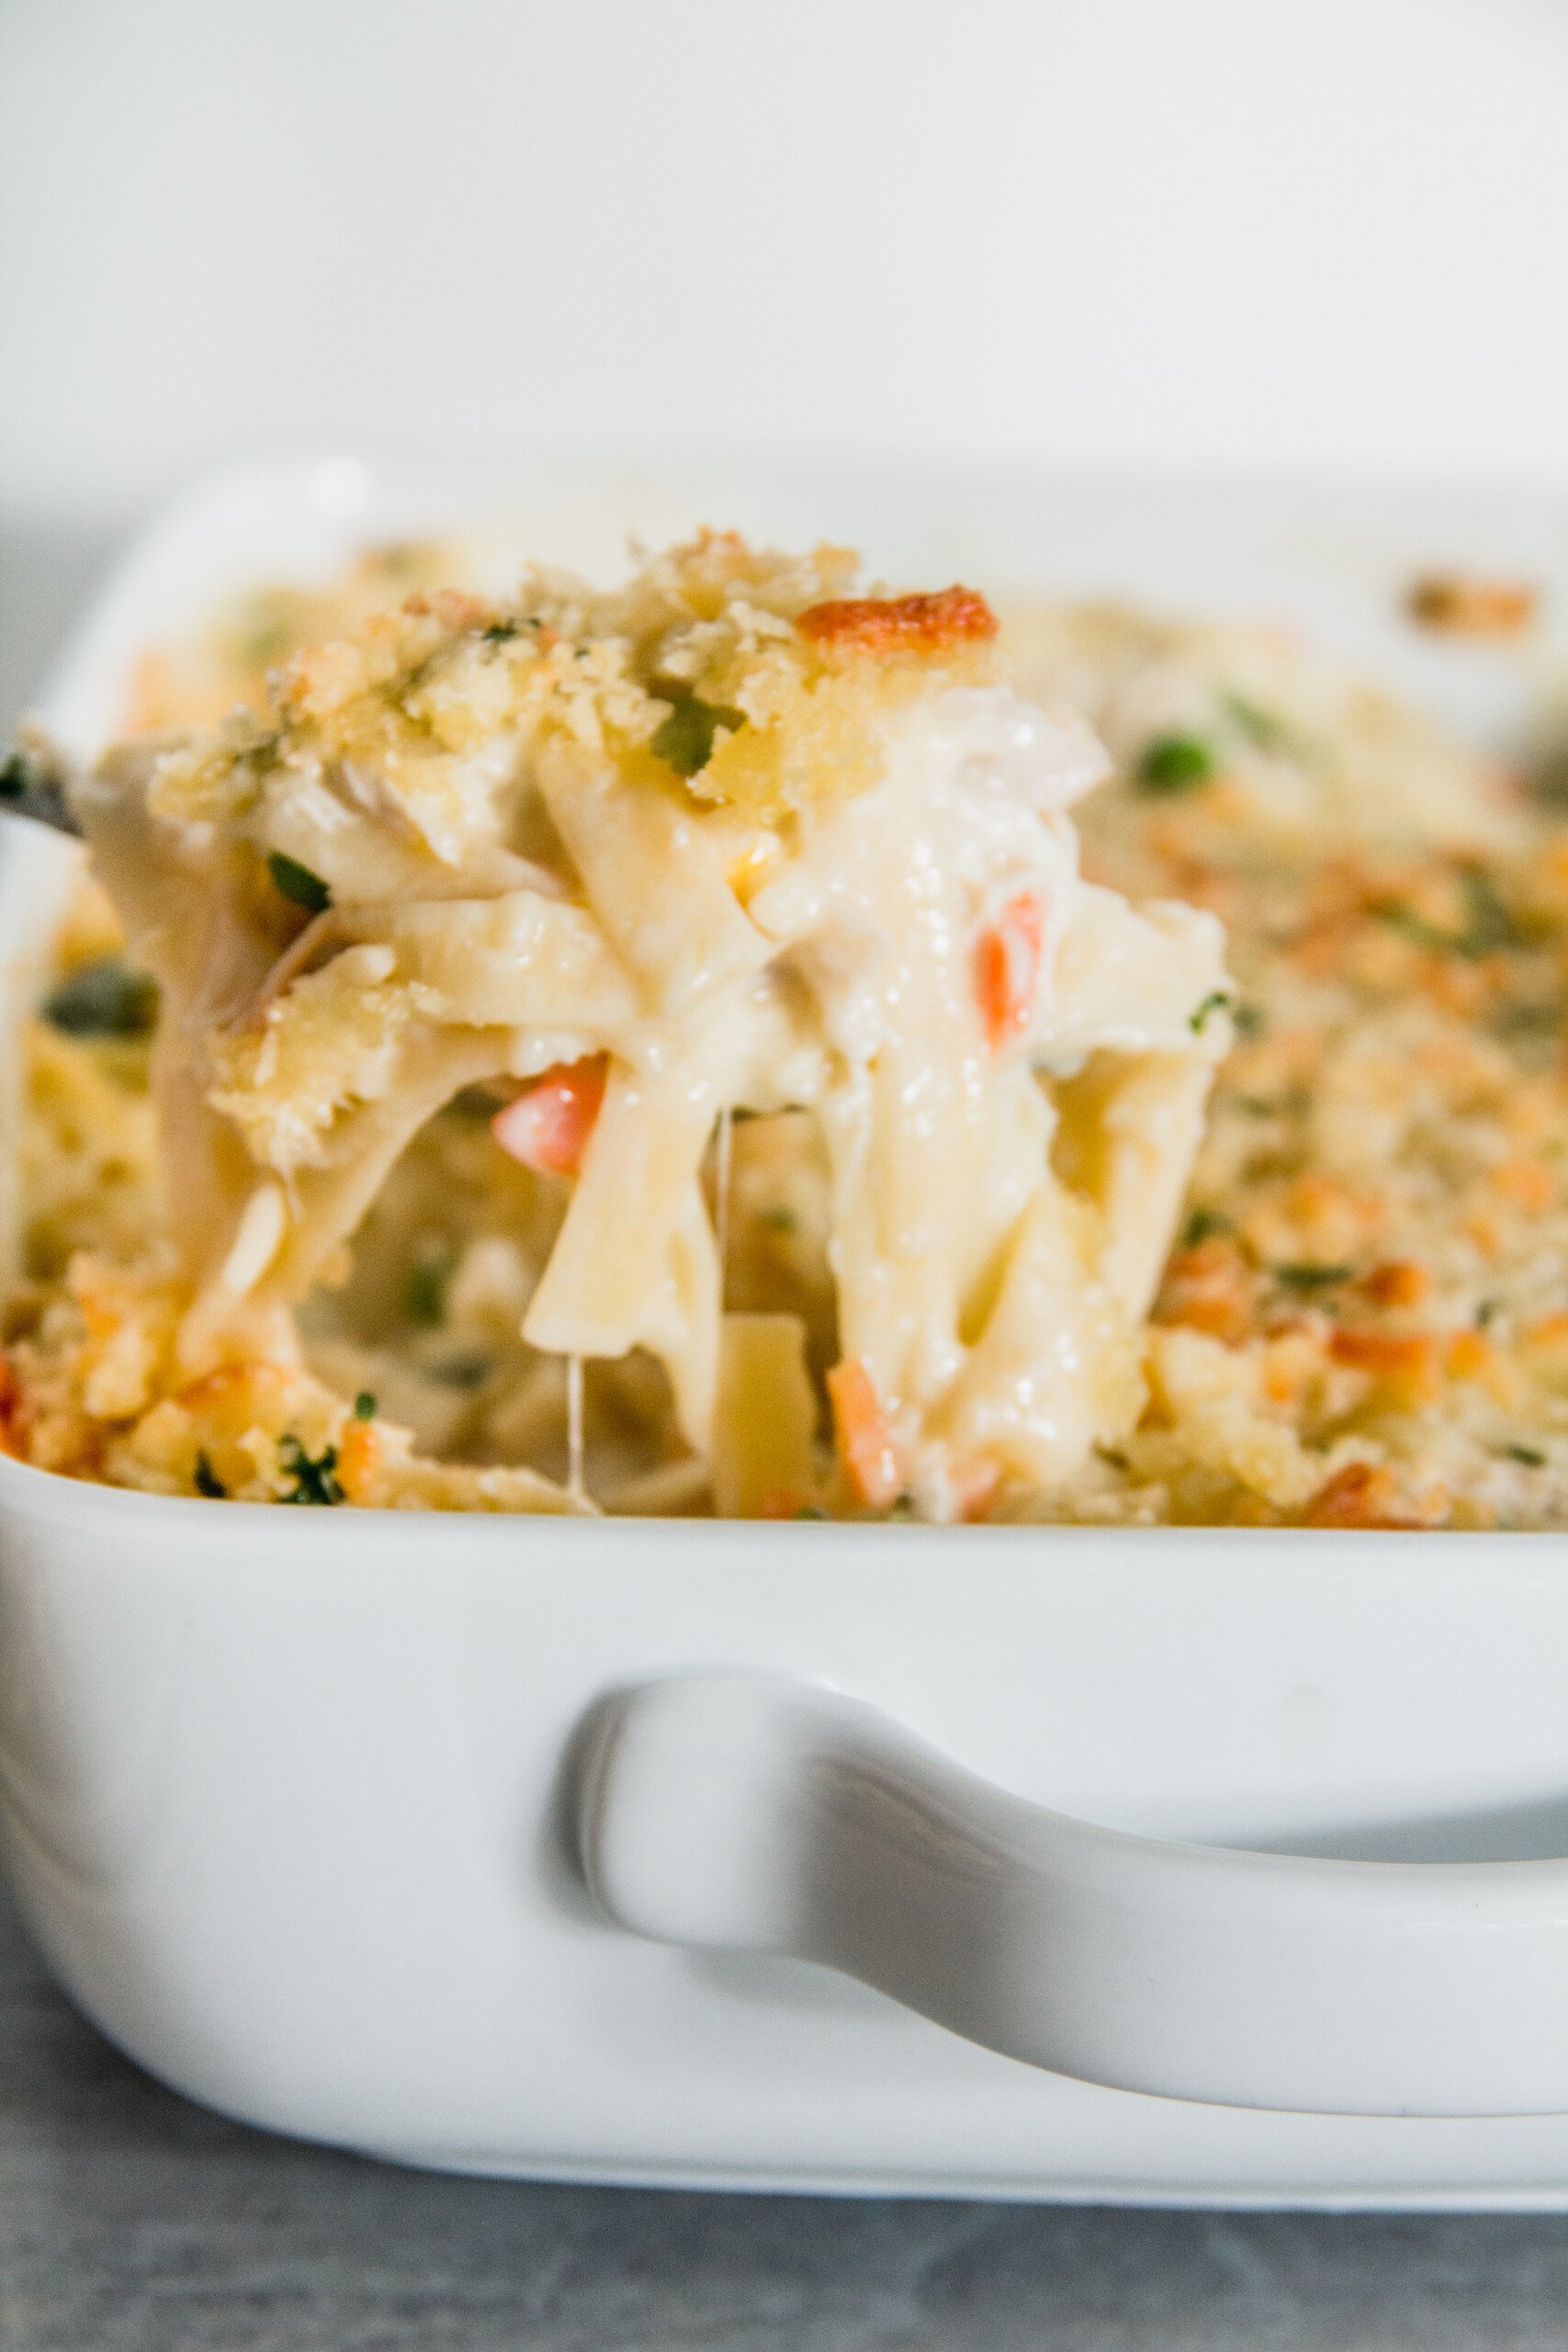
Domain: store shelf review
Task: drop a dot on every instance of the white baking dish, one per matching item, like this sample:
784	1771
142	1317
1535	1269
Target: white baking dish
302	1807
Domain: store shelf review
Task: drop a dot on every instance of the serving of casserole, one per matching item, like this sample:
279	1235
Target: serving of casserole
842	1151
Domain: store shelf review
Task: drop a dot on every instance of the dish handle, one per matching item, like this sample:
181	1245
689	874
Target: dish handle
743	1811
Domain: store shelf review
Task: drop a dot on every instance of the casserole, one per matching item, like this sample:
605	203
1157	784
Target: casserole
302	1812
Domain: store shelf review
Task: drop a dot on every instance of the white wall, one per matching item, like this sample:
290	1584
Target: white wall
1321	233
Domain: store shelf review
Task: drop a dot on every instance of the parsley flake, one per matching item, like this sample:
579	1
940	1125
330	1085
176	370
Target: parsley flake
364	1406
425	1288
1261	726
1488	926
1173	763
207	1482
314	1477
297	882
104	999
1309	1277
32	787
685	739
1217	1001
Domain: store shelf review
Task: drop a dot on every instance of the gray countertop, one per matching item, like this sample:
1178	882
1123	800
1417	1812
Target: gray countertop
131	2221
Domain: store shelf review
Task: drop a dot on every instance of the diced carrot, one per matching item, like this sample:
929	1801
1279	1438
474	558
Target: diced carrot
11	1409
548	1128
1463	603
1470	1356
1397	1282
358	1459
1525	1181
1209	1288
973	1480
1007	968
1408	1367
865	1442
1360	1495
1485	1231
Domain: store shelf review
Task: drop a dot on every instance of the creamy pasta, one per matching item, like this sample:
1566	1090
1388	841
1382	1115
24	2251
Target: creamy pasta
614	870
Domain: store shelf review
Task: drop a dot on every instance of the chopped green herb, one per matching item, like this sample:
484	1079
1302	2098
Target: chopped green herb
1249	1018
474	1102
1486	1312
903	1505
364	1406
778	1220
266	754
313	1477
1174	764
34	789
1217	1001
500	632
686	738
1527	1454
1305	1277
1488	925
1525	1021
1260	725
425	1289
810	1510
104	999
468	1370
1416	928
207	1482
297	882
1549	781
1202	1226
1263	1106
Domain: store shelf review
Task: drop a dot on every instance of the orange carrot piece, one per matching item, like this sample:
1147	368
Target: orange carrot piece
548	1128
358	1459
1409	1368
973	1480
1007	968
12	1411
1397	1282
1525	1181
1358	1496
865	1442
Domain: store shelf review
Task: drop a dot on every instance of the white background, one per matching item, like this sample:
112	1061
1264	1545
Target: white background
1304	234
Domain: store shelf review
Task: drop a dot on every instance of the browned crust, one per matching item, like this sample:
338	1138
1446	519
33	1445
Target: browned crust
1459	604
921	624
1358	1496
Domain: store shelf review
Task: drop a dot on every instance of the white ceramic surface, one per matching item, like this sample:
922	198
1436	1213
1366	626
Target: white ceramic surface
289	1798
747	1813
